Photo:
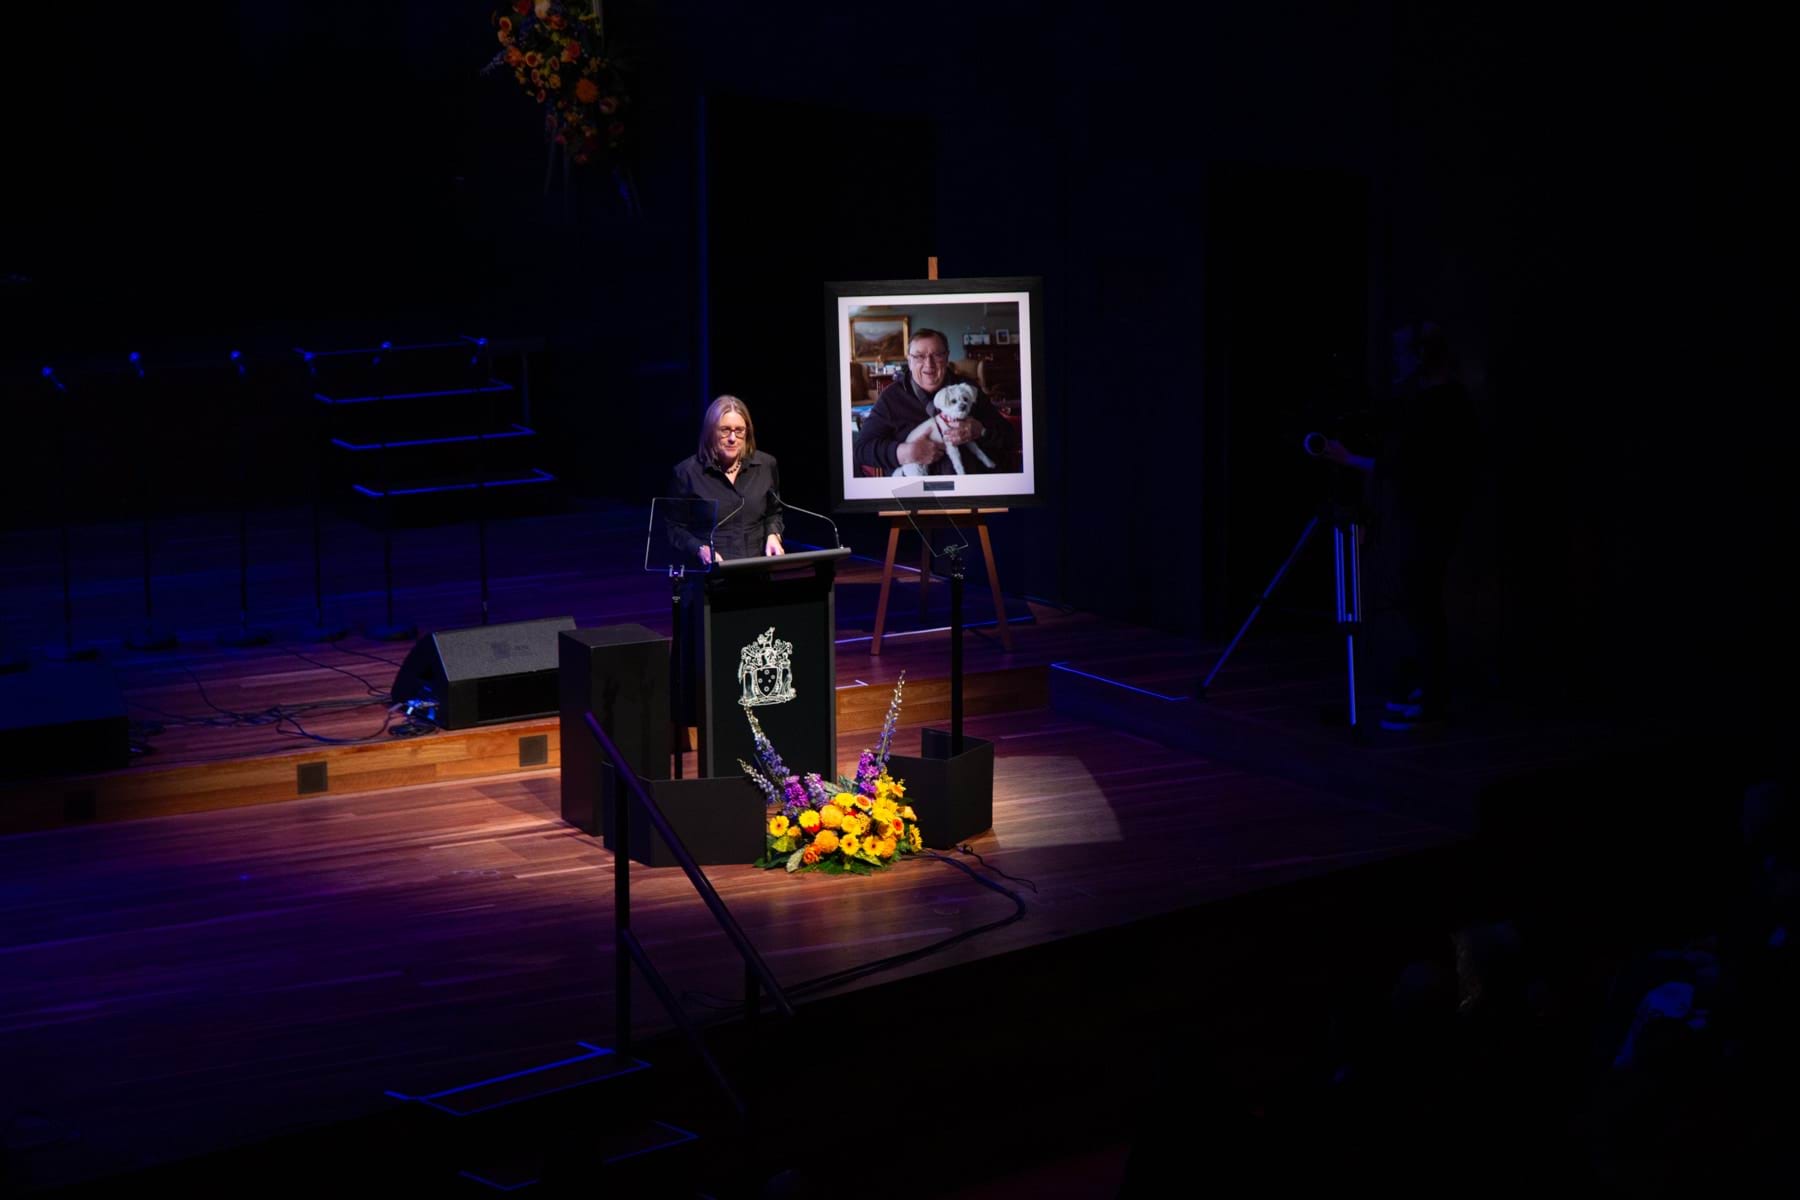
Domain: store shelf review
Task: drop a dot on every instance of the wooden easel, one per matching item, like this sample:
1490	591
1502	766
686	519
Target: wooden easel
960	518
976	517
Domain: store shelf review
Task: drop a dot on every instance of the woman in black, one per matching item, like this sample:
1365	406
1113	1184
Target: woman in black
743	487
741	481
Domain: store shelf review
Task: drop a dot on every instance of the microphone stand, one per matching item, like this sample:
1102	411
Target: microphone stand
481	471
323	628
150	638
954	553
392	630
244	634
68	651
836	538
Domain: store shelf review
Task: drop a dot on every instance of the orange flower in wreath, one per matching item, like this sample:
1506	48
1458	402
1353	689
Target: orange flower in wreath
587	91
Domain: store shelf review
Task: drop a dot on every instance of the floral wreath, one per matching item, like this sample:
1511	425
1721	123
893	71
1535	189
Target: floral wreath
858	825
559	57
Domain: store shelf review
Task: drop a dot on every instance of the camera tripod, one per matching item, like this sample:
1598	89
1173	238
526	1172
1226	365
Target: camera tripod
1346	544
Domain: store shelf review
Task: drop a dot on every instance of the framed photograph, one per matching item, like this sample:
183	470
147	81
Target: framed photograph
893	448
878	338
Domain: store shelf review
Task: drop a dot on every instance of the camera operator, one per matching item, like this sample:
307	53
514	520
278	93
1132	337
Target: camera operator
1419	469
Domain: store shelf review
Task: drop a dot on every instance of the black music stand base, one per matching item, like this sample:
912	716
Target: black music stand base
952	794
720	821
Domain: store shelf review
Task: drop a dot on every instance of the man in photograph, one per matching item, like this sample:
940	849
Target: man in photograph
888	438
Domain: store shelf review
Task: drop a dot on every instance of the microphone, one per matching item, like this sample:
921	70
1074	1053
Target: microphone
711	540
776	496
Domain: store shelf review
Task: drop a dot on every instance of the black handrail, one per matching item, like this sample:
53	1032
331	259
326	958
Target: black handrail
757	975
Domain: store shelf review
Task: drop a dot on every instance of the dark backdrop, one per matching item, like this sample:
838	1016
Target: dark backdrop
1589	200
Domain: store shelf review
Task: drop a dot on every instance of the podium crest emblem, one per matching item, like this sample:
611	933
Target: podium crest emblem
766	671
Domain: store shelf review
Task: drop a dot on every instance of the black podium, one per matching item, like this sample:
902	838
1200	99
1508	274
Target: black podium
769	643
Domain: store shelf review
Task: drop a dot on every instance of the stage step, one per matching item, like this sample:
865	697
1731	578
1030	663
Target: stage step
314	771
438	499
579	1116
427	433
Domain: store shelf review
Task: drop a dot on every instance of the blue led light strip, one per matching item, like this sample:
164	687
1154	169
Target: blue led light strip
539	475
518	431
322	398
1063	666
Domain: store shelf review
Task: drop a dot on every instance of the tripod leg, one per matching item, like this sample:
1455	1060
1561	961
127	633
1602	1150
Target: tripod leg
1305	535
1349	600
1356	610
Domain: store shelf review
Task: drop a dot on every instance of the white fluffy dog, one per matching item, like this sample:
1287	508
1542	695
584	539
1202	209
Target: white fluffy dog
954	403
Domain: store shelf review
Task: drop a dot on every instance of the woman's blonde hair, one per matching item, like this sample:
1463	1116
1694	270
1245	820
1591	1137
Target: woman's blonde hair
709	429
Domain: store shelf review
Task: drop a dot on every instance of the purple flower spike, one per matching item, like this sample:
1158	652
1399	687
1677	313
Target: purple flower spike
887	725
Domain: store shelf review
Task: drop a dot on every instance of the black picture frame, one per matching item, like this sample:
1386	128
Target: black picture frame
1014	375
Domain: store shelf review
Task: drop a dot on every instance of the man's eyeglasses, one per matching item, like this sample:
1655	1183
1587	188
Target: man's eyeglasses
923	358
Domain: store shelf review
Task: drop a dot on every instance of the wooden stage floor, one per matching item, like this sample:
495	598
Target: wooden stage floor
196	957
178	984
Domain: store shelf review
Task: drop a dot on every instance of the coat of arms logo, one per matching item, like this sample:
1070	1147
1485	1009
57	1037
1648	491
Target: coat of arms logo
766	671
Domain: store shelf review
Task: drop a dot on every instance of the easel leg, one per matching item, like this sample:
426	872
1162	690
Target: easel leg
887	584
993	572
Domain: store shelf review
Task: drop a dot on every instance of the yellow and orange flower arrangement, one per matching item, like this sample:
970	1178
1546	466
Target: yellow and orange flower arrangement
857	825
